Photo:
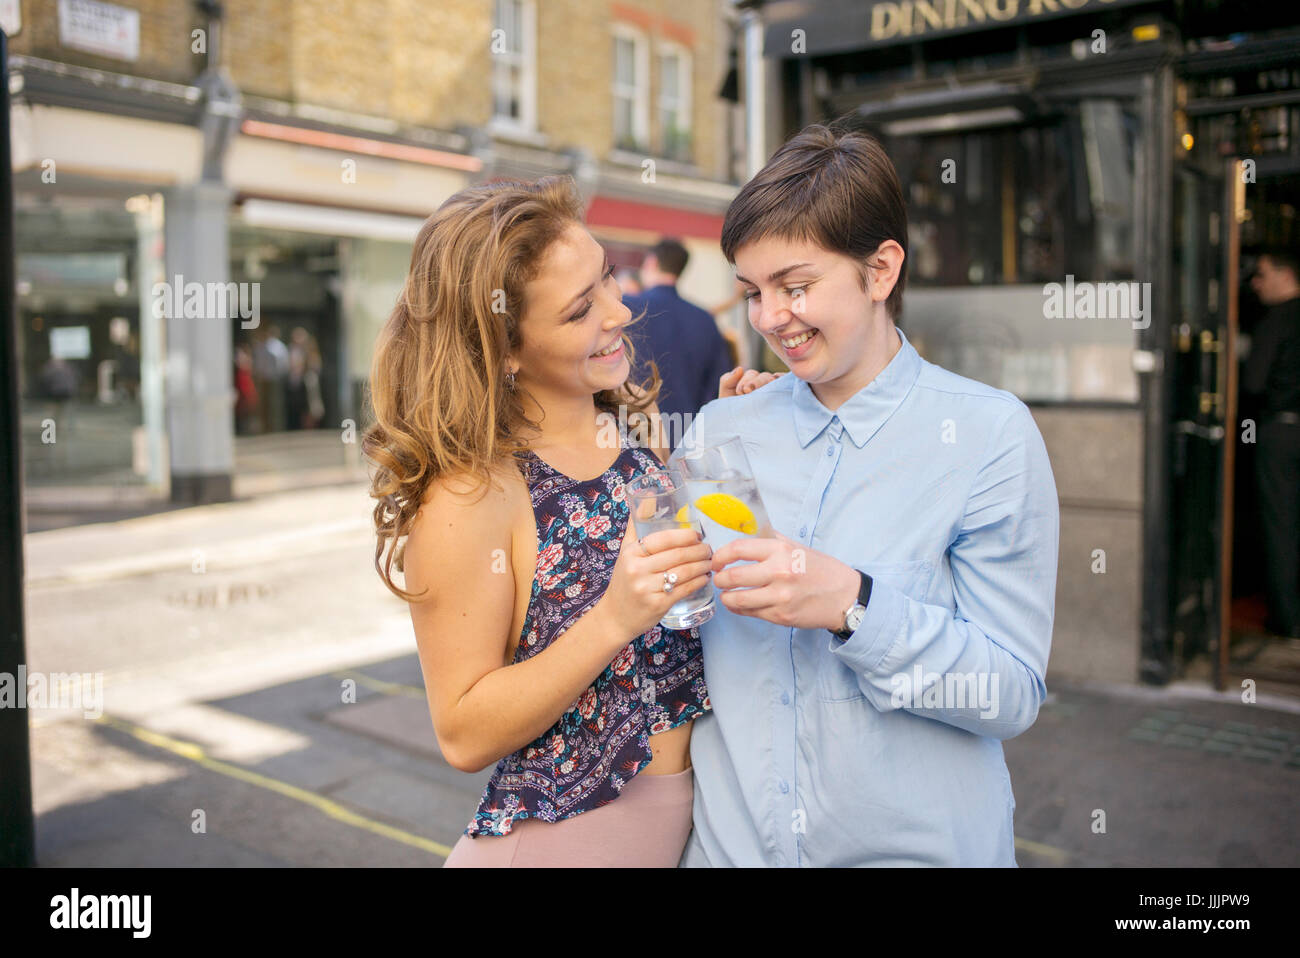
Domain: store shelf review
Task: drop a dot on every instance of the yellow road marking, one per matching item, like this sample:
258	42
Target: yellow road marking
379	685
1057	855
334	810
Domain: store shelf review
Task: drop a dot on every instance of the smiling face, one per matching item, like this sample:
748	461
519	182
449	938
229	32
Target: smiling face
811	307
572	329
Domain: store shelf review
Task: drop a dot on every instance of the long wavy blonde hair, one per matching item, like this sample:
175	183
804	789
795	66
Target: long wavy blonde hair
441	402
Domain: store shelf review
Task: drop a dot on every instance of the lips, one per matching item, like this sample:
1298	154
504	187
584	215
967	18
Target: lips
802	341
613	349
794	342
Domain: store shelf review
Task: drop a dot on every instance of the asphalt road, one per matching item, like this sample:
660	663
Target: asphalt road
262	704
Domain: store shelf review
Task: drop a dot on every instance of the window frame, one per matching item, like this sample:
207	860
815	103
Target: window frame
685	95
526	59
639	92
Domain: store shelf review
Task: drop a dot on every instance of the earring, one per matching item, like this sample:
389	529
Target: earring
510	379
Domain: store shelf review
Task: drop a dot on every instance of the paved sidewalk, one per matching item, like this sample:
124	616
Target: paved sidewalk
1181	781
291	717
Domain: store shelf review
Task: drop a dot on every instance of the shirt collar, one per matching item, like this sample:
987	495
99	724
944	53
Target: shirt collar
868	408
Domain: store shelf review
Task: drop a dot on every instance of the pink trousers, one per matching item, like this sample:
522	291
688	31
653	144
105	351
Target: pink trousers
645	827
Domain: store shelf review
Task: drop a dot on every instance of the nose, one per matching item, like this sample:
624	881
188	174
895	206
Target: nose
619	316
772	315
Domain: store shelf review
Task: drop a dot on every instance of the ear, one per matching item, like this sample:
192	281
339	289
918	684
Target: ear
883	270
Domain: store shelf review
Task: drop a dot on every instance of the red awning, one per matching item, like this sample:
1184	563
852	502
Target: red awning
653	218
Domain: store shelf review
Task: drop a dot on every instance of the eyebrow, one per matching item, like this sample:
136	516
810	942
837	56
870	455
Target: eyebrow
772	278
603	266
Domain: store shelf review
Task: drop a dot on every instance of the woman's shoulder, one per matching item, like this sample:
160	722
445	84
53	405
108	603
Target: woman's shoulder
483	498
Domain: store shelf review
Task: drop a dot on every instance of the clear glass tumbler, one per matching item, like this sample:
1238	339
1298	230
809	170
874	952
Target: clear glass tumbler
659	501
723	492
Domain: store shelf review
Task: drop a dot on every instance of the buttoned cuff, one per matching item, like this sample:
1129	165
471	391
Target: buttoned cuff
878	631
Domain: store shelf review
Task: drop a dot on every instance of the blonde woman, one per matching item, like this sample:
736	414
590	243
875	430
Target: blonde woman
535	608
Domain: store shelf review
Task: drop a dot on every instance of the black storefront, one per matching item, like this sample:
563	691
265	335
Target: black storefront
1149	145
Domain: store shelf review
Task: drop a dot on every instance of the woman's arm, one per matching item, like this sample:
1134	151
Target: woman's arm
1003	565
461	551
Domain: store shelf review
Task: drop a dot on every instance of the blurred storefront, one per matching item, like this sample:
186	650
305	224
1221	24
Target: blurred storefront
158	145
319	221
1051	147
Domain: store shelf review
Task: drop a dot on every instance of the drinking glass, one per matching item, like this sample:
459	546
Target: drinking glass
660	501
723	492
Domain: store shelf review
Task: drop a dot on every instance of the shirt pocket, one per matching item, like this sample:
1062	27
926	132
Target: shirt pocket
836	682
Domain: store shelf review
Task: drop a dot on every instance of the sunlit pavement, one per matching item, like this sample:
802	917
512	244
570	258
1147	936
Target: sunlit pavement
263	705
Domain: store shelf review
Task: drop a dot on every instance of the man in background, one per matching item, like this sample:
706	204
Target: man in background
681	338
270	370
1272	372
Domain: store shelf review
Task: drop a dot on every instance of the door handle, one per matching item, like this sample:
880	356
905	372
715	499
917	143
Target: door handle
1188	428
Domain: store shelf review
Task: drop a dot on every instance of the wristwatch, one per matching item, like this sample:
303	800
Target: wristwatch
855	613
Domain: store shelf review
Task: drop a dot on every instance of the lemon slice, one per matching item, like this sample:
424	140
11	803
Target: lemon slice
726	510
684	518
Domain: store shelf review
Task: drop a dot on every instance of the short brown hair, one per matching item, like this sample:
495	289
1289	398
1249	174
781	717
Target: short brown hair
835	188
671	256
1283	258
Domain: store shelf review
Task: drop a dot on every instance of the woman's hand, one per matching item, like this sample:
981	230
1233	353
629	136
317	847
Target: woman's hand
788	584
740	381
635	596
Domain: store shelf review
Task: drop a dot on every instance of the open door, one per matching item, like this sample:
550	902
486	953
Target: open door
1205	248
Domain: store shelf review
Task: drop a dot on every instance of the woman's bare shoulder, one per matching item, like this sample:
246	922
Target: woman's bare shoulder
464	494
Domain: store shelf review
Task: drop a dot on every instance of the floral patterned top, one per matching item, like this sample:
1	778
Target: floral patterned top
654	684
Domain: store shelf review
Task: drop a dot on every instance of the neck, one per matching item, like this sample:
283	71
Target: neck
882	345
563	420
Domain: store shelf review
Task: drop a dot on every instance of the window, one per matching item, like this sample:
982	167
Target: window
514	65
1037	210
631	81
675	102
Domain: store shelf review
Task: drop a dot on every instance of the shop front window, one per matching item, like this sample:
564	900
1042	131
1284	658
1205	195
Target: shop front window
1021	260
288	368
84	369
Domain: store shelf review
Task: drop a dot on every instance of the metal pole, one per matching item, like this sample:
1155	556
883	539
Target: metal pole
755	104
17	829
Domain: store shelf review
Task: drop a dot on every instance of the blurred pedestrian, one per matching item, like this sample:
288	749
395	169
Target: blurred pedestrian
245	391
270	369
303	404
1272	372
680	338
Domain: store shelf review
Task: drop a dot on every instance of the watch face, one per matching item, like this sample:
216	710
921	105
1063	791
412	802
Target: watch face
855	617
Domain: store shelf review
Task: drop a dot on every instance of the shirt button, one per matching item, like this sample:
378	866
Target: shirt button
803	531
785	787
830	450
785	698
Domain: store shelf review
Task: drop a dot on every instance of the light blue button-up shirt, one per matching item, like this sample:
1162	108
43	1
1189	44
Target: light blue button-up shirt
885	749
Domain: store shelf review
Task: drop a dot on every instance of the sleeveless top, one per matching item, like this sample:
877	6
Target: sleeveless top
654	684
